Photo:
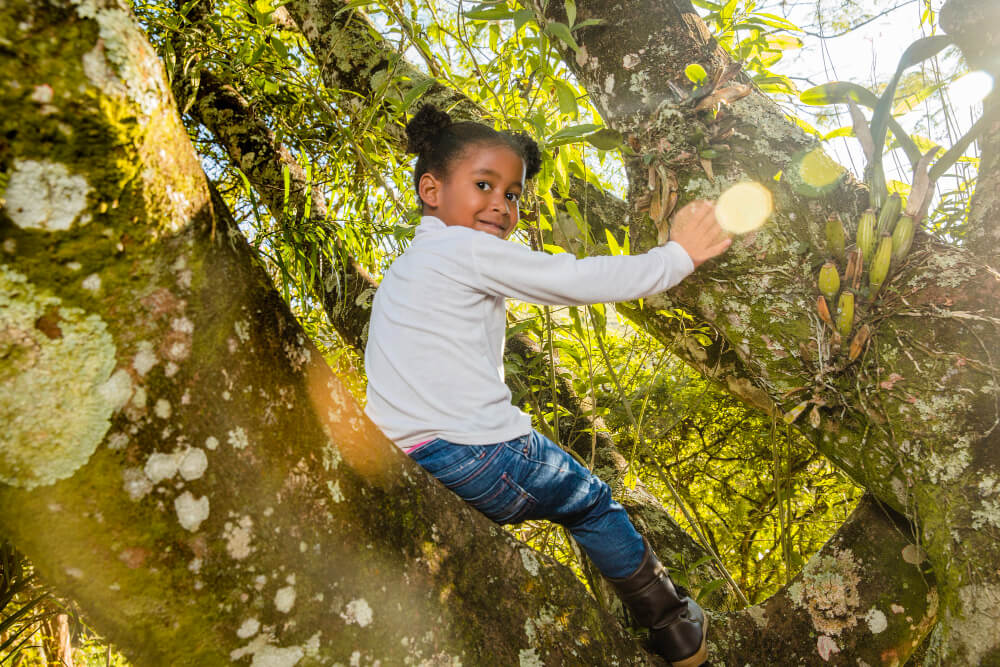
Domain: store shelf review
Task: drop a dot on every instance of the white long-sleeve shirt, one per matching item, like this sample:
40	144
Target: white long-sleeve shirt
435	341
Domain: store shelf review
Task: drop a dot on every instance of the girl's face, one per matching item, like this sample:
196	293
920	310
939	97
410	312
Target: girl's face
480	191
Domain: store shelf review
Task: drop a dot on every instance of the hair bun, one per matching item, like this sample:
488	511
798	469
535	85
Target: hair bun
425	125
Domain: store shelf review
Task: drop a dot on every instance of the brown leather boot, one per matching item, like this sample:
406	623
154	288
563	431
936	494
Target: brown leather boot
677	625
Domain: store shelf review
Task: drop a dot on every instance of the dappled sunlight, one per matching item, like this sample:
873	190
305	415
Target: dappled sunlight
744	207
816	172
363	447
971	88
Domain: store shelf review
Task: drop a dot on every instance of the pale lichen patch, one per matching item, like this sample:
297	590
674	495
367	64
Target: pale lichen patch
237	437
193	463
284	599
248	628
136	483
160	466
144	358
55	400
191	512
238	537
358	612
529	561
266	654
876	620
44	195
829	591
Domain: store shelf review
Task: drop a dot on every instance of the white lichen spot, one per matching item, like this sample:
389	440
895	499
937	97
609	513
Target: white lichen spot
56	361
242	330
182	325
248	629
179	350
529	561
357	611
876	620
238	438
298	354
91	283
758	615
211	442
195	565
170	369
266	654
609	84
191	511
74	572
117	440
44	195
826	646
335	493
630	60
118	389
312	645
162	408
144	359
581	55
238	537
528	657
135	483
897	609
829	591
42	94
10	247
160	466
259	582
193	463
284	599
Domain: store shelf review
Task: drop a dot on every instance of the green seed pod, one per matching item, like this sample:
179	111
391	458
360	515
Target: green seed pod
889	214
866	235
835	237
829	280
845	314
902	238
880	265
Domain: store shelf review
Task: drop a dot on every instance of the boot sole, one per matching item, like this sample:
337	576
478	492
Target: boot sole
699	656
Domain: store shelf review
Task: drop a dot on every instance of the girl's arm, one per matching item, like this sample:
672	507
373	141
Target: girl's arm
510	270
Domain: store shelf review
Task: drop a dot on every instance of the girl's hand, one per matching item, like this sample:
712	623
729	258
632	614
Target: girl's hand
698	232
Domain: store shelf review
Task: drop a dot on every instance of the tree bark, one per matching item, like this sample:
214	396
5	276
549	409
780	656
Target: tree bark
219	494
914	420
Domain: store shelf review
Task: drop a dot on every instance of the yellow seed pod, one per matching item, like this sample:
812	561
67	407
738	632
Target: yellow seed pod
845	314
829	280
902	238
866	235
835	237
880	264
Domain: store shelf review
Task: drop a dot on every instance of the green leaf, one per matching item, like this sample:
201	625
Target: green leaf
489	13
605	139
695	73
570	12
553	248
567	97
847	131
416	92
613	246
562	32
571	133
586	23
352	5
522	17
838	92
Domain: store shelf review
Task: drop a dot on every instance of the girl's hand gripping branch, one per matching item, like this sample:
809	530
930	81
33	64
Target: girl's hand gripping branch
698	232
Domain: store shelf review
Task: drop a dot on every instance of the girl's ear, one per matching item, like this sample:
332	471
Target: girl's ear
429	189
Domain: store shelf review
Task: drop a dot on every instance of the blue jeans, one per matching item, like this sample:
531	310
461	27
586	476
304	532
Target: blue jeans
532	478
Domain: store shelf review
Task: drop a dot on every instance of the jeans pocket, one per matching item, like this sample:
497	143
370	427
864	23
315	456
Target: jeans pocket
504	501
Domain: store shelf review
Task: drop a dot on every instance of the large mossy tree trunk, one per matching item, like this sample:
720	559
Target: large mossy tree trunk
218	495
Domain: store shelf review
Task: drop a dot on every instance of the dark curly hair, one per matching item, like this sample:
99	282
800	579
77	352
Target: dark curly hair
438	141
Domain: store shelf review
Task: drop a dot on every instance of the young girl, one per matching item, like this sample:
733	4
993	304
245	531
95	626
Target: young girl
435	357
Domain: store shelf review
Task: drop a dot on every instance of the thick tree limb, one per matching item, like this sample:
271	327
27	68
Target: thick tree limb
219	495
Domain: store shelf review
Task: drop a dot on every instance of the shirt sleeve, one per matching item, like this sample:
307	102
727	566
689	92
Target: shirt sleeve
513	271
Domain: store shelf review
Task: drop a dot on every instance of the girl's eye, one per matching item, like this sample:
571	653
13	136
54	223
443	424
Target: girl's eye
513	196
482	185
